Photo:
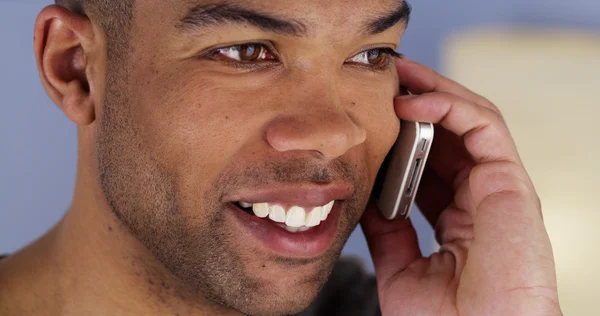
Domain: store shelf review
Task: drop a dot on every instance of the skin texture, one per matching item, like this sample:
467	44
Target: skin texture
179	169
165	137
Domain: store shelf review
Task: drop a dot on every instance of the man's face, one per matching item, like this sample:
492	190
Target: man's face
216	109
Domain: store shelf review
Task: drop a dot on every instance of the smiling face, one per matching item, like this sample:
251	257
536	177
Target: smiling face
285	105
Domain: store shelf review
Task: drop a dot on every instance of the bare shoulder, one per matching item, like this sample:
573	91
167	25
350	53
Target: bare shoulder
11	300
21	286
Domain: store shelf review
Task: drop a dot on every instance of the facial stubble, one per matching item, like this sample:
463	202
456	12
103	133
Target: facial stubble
196	256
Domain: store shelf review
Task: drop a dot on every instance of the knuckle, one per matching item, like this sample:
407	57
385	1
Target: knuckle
447	233
495	112
477	137
488	104
499	178
454	225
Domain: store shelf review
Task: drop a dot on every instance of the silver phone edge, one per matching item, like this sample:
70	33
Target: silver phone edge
399	173
425	133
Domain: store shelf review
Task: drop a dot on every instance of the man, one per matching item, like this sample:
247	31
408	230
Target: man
228	148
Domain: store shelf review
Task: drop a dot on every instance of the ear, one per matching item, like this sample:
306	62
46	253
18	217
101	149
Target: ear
63	43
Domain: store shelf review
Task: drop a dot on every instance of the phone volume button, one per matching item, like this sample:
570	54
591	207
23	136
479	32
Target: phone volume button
405	210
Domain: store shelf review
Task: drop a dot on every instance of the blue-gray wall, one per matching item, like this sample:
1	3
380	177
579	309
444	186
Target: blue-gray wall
38	144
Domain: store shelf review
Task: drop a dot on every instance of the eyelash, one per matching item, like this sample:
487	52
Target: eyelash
215	55
389	55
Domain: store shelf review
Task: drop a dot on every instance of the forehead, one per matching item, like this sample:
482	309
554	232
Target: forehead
316	15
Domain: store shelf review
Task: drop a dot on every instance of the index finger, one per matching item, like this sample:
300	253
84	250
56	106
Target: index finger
421	79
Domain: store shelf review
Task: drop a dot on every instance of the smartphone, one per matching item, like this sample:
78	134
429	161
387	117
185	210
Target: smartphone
403	169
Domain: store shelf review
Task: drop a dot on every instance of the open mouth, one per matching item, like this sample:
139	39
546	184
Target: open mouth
289	220
292	218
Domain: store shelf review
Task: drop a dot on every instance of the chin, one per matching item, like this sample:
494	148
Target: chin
285	287
287	301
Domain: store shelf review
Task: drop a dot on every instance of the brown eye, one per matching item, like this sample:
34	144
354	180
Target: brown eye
245	53
250	52
375	56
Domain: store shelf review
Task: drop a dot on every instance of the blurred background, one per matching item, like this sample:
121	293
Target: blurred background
538	60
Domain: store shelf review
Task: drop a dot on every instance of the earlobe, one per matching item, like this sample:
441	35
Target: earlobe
63	42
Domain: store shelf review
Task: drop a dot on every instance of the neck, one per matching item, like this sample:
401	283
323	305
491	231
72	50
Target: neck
89	261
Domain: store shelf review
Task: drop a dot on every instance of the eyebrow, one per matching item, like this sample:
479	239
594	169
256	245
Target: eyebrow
217	14
401	14
209	15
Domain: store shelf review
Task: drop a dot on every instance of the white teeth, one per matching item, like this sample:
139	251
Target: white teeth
246	205
260	209
295	229
314	217
276	213
326	210
295	217
292	229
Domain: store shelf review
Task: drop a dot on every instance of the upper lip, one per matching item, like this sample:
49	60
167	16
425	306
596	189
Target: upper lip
306	195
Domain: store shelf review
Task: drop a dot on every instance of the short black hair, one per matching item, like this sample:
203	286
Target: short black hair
114	17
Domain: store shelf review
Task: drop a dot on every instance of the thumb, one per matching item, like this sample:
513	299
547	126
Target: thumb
393	243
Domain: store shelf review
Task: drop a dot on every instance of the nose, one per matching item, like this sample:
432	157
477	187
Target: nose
330	131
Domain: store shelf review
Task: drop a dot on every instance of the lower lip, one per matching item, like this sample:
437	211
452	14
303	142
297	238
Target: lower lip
303	245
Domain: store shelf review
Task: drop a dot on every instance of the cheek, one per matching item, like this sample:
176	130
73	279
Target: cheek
374	108
195	128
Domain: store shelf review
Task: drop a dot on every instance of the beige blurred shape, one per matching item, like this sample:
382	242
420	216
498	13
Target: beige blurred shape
547	84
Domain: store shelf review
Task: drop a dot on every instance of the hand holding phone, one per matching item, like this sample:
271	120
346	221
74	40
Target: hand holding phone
487	216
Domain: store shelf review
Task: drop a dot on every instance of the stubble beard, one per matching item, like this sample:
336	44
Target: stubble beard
201	260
